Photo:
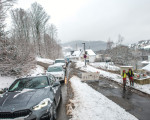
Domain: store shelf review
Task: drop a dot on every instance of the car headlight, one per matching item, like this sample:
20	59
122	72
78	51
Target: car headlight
42	104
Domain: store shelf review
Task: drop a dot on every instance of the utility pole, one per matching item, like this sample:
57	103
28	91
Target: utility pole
84	54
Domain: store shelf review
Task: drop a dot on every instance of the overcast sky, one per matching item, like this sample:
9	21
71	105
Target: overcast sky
97	19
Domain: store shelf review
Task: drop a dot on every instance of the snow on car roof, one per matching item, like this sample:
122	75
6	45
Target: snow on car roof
55	65
60	59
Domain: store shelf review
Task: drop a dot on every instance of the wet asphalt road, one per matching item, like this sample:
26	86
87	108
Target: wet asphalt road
136	104
61	111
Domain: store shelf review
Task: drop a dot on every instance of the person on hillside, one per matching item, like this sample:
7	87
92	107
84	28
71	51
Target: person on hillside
130	75
124	79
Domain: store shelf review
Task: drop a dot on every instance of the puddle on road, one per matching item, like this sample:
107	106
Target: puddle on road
132	102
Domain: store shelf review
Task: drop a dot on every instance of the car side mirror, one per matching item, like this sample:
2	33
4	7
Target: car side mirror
56	84
5	89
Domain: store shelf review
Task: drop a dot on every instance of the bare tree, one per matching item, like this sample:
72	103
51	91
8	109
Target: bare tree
28	35
4	7
21	29
39	20
109	44
52	31
120	39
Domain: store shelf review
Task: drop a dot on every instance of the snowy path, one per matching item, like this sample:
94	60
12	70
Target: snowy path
92	105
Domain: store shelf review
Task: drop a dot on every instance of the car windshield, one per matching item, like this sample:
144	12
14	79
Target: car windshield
55	69
29	83
59	61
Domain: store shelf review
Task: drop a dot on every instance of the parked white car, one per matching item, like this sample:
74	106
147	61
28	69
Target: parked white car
57	71
60	62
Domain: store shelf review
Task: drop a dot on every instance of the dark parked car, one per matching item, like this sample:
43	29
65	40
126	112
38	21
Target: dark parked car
31	98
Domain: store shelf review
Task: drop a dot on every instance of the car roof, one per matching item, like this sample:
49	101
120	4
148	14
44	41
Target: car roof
55	65
60	59
38	75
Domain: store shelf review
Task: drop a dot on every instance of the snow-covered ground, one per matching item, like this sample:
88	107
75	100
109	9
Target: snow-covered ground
92	105
44	60
105	66
39	69
5	82
112	76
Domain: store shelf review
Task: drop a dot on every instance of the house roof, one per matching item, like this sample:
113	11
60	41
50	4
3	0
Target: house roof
90	52
76	53
147	67
145	62
68	54
147	47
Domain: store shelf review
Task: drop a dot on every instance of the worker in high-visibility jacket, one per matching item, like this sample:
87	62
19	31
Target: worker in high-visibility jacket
124	75
131	75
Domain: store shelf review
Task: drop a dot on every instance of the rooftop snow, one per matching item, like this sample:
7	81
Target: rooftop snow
145	62
147	47
76	53
90	52
147	67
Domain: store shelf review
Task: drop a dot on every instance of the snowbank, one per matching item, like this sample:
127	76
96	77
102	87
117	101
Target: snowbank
112	76
39	69
106	66
44	60
5	82
103	73
92	105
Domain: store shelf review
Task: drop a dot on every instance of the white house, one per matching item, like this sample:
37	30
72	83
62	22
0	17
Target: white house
146	47
91	56
75	55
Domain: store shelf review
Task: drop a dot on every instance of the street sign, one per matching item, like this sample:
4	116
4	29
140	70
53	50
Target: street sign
90	76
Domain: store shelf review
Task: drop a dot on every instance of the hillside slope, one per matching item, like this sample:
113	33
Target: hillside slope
94	45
